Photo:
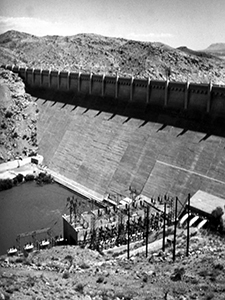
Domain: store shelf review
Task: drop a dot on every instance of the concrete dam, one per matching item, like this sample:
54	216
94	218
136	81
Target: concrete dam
111	133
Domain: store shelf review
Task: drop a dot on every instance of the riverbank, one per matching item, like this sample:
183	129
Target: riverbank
25	166
33	166
15	172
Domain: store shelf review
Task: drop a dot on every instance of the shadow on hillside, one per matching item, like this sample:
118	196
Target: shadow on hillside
186	120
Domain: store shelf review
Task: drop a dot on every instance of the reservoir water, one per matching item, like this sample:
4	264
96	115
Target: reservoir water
30	207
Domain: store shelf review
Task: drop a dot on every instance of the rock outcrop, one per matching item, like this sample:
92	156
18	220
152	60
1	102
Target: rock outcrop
18	117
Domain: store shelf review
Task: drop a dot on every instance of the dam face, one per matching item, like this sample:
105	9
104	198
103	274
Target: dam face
107	151
109	134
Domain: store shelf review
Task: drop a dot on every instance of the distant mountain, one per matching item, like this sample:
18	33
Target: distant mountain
101	54
216	47
194	52
14	35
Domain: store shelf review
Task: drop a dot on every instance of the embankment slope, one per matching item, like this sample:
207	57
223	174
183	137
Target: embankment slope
110	149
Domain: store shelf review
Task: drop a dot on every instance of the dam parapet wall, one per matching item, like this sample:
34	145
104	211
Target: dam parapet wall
205	99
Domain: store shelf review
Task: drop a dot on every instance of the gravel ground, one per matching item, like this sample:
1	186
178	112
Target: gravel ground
69	272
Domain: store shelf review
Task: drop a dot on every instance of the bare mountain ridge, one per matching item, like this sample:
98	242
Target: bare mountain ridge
100	54
216	47
202	53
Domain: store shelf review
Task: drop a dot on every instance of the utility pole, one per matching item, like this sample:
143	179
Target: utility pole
188	226
164	228
175	231
70	204
147	230
128	233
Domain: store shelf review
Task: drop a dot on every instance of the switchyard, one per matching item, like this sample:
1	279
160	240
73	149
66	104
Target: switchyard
114	223
136	219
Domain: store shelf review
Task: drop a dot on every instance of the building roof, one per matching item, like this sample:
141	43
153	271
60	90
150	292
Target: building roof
205	203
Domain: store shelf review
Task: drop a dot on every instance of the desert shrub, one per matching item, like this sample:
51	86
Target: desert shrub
107	294
194	281
203	273
54	258
216	218
84	266
79	288
44	178
3	125
217	212
66	275
6	184
15	135
209	296
29	177
145	278
19	178
15	181
213	278
68	257
178	274
125	295
218	266
100	279
9	183
19	260
8	114
115	254
30	281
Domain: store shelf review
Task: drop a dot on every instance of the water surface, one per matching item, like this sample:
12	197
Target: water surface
31	207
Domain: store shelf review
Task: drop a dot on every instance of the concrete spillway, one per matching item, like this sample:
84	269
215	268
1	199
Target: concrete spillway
110	149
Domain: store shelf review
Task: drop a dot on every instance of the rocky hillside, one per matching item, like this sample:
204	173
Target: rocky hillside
69	272
99	54
18	117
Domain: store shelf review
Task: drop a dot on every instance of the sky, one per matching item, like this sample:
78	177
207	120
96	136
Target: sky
192	23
